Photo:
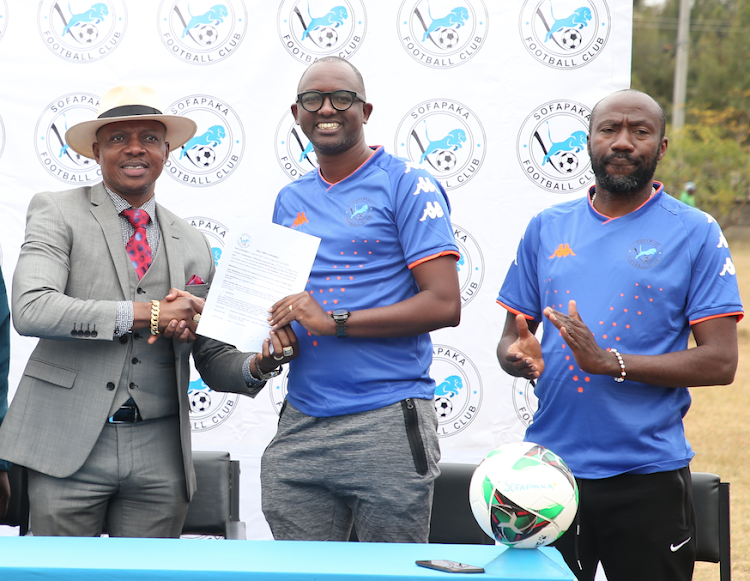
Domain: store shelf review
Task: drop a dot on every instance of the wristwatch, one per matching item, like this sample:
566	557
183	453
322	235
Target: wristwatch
266	376
340	316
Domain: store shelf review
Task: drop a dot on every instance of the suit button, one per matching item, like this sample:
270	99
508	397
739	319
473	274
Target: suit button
133	386
110	386
136	335
135	360
140	291
123	339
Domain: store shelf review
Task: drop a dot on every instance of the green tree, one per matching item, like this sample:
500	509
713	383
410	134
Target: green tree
713	150
719	166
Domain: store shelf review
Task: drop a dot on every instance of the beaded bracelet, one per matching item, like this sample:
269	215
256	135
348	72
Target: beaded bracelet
154	317
622	366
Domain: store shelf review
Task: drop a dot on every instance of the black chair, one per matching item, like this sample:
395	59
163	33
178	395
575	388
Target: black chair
452	518
215	507
711	503
18	510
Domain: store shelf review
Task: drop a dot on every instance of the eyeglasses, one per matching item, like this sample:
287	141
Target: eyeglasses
341	100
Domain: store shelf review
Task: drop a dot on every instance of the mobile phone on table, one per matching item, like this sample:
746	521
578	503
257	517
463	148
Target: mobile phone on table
450	566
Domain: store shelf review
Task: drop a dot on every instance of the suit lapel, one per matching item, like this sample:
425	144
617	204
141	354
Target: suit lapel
173	247
104	212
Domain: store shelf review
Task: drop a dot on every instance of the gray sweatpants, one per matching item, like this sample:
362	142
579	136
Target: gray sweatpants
373	469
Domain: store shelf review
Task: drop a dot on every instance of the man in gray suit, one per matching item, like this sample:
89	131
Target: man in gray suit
101	415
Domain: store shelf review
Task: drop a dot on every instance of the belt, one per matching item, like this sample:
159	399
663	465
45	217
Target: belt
127	414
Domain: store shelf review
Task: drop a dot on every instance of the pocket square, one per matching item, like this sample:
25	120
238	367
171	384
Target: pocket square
195	279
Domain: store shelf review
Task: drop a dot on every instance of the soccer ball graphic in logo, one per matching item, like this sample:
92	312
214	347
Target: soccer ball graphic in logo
200	401
327	37
448	38
445	160
523	495
443	407
571	39
207	35
204	156
566	162
86	33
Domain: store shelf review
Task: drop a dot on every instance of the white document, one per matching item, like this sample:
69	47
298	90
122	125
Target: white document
261	263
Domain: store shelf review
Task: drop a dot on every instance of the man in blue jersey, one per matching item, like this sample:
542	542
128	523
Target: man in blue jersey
620	278
356	442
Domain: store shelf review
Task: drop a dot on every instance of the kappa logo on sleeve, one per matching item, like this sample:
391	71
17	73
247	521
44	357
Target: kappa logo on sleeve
425	185
432	210
728	268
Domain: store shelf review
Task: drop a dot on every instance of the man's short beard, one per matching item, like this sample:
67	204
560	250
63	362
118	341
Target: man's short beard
625	185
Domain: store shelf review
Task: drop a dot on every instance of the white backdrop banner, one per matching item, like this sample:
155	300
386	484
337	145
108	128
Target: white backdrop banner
493	97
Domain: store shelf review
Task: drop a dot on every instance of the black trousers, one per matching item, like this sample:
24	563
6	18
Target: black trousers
640	526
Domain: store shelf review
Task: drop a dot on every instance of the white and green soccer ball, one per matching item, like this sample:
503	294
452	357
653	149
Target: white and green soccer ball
523	495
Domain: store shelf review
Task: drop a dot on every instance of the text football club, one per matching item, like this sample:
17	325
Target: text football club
202	32
310	30
294	151
551	146
470	265
525	401
458	390
444	137
208	408
49	138
81	33
215	151
565	34
442	34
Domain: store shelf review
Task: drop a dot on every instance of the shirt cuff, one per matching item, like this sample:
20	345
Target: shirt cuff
249	379
4	466
125	318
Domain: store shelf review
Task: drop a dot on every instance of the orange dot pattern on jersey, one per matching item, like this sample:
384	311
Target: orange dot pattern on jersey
358	250
646	298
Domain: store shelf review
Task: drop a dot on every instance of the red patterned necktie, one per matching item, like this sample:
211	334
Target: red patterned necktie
137	247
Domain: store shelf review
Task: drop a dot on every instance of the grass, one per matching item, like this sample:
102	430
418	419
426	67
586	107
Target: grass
718	427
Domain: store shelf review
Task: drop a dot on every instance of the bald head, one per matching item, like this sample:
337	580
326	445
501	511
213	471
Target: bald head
631	98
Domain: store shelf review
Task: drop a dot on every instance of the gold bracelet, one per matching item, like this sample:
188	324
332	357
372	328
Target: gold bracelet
154	317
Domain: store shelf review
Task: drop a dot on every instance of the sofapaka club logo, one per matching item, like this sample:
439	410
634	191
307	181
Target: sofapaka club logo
82	31
551	147
311	29
53	151
565	34
294	151
458	391
208	408
444	137
470	266
442	34
215	151
202	32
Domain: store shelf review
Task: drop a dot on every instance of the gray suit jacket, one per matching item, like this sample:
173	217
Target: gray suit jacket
71	271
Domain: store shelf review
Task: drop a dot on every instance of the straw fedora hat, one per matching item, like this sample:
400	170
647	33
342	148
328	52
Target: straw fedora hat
127	103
